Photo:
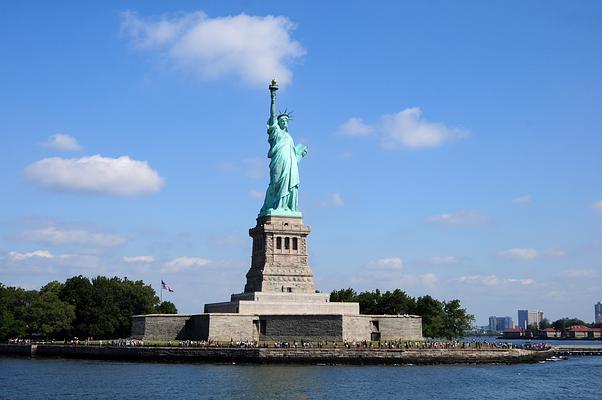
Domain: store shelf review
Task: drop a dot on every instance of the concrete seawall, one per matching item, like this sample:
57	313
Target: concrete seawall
578	350
17	349
282	355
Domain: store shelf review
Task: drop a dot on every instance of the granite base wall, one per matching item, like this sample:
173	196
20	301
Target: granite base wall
229	326
400	327
160	326
225	327
382	327
301	327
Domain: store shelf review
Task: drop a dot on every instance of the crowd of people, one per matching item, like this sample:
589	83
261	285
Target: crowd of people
365	344
405	345
124	342
460	344
19	341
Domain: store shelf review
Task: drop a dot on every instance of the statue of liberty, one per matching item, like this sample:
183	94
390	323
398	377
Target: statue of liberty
282	195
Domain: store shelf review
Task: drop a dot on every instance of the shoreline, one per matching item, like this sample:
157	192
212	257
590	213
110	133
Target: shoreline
263	355
551	339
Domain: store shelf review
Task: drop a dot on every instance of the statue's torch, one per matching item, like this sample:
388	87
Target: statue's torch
273	86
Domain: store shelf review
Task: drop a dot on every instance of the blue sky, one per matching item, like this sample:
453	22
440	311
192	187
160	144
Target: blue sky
454	147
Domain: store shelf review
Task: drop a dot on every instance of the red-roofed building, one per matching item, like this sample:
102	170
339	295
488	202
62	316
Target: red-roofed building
513	333
550	333
583	332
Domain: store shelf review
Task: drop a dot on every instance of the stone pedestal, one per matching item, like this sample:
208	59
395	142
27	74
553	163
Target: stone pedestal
279	258
280	280
282	303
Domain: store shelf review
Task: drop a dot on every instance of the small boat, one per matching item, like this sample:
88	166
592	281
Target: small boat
557	358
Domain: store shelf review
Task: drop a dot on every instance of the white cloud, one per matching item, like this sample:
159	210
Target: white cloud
32	261
256	194
181	263
16	256
79	261
333	200
226	240
407	129
355	127
581	273
526	199
519	254
460	219
394	263
598	206
96	174
62	142
553	253
492	280
59	236
226	167
429	280
388	274
444	260
138	259
254	48
252	168
523	282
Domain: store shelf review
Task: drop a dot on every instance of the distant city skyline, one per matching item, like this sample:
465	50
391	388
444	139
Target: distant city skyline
453	148
498	324
527	318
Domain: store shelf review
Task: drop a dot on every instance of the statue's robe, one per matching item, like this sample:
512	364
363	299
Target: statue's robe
284	170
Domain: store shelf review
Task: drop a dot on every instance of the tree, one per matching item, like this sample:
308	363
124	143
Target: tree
23	302
369	302
77	291
439	319
396	303
114	303
457	319
565	323
544	324
167	307
29	312
433	316
104	306
49	315
10	323
343	295
101	307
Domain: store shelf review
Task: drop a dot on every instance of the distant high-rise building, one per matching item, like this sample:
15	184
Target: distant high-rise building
498	324
598	312
527	318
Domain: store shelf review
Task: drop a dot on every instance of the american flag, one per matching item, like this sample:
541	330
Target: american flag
165	287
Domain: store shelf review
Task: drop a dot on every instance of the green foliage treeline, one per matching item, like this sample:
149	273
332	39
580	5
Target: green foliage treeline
440	319
80	307
562	324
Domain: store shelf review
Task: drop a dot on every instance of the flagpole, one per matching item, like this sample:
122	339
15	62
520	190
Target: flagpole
161	291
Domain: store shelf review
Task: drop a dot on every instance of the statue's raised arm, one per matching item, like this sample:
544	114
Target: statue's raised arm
273	90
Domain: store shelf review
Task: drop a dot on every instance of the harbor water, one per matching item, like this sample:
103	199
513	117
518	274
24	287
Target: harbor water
22	378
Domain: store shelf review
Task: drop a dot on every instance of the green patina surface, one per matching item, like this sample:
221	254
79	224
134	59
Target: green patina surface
282	195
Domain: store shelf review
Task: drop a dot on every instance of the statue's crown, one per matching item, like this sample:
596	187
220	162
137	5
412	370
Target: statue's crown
286	113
